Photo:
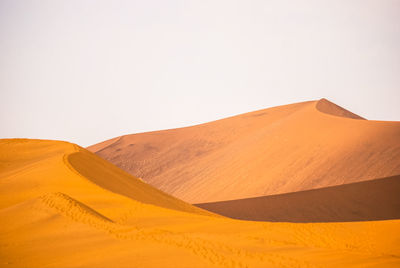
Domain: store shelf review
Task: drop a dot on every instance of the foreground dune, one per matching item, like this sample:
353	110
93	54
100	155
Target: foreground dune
32	168
360	201
62	206
278	150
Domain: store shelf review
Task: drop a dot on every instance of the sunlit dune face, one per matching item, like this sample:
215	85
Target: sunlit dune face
278	150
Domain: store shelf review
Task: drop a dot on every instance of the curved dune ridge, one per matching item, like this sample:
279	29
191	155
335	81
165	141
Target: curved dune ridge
361	201
63	206
74	171
109	177
283	149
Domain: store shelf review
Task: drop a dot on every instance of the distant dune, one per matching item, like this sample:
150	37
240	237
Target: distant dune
62	206
278	150
361	201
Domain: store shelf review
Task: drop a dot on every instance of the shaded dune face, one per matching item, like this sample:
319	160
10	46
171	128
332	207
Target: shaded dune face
32	168
109	177
278	150
328	107
362	201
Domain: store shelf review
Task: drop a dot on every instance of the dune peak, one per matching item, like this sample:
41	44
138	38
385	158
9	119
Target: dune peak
328	107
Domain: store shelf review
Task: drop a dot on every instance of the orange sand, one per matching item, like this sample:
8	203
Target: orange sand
62	206
278	150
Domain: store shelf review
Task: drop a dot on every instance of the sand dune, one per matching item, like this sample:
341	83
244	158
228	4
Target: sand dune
46	166
62	206
278	150
361	201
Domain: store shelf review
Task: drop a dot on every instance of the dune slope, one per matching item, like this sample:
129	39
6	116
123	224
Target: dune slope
278	150
47	166
360	201
62	206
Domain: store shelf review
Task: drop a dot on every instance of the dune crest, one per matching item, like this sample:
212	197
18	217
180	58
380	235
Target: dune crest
109	177
325	106
273	151
75	172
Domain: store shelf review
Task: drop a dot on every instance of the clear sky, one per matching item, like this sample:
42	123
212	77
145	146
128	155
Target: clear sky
86	71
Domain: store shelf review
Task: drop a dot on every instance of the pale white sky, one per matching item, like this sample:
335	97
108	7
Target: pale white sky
86	71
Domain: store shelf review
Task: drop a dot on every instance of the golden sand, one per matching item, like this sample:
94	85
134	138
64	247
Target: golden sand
62	206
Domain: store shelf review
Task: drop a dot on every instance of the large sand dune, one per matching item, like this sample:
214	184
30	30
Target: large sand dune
360	201
62	206
278	150
32	168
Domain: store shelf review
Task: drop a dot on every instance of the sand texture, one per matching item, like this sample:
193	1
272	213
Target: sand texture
278	150
62	206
